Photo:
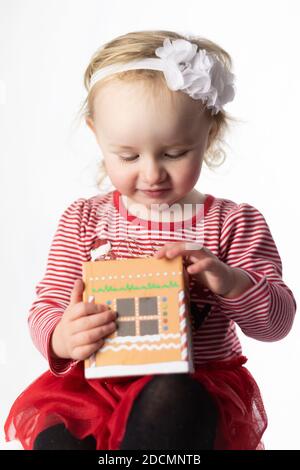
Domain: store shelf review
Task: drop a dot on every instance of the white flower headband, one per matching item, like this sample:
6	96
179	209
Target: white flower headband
199	74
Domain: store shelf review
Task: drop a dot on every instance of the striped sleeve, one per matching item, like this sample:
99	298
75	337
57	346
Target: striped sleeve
64	265
266	310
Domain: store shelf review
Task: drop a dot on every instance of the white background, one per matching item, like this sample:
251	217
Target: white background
47	162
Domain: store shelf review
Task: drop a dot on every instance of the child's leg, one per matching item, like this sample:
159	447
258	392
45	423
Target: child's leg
59	438
172	412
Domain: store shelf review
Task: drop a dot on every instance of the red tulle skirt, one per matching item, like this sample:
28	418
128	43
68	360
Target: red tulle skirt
101	406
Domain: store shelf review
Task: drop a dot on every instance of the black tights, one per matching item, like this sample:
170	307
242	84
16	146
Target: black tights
172	412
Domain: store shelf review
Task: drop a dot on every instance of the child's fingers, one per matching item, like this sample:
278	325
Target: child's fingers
82	309
81	353
92	336
200	265
167	247
77	292
194	251
91	308
92	321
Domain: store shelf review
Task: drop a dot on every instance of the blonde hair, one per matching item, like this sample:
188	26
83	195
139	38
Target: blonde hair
142	44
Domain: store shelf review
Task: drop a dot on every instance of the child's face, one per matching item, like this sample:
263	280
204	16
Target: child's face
167	141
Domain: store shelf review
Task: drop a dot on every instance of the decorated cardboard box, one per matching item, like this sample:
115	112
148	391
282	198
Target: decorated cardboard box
153	333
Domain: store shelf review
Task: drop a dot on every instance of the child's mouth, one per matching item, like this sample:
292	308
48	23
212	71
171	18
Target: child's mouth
155	193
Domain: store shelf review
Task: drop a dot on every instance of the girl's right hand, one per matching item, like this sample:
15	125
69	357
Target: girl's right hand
82	327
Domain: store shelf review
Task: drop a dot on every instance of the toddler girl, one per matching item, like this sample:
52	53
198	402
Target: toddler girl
156	107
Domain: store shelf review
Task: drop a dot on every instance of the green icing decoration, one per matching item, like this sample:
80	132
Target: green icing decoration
130	287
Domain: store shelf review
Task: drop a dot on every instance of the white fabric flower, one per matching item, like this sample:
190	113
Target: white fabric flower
199	74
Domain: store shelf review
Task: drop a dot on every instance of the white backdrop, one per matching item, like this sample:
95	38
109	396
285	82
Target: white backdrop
47	163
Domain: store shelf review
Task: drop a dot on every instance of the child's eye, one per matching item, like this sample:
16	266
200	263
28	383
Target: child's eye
128	159
177	156
134	157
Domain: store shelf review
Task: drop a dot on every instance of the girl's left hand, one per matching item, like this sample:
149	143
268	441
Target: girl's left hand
207	269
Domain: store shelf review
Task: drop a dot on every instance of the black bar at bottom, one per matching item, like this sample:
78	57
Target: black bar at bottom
131	459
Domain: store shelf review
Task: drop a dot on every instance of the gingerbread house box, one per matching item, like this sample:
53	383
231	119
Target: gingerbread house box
153	334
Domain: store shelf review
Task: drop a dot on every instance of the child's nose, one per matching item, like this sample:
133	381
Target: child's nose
153	172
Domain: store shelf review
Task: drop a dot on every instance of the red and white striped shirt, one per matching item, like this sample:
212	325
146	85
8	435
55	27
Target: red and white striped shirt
236	233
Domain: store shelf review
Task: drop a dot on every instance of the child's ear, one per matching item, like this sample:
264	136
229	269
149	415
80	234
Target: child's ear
90	123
